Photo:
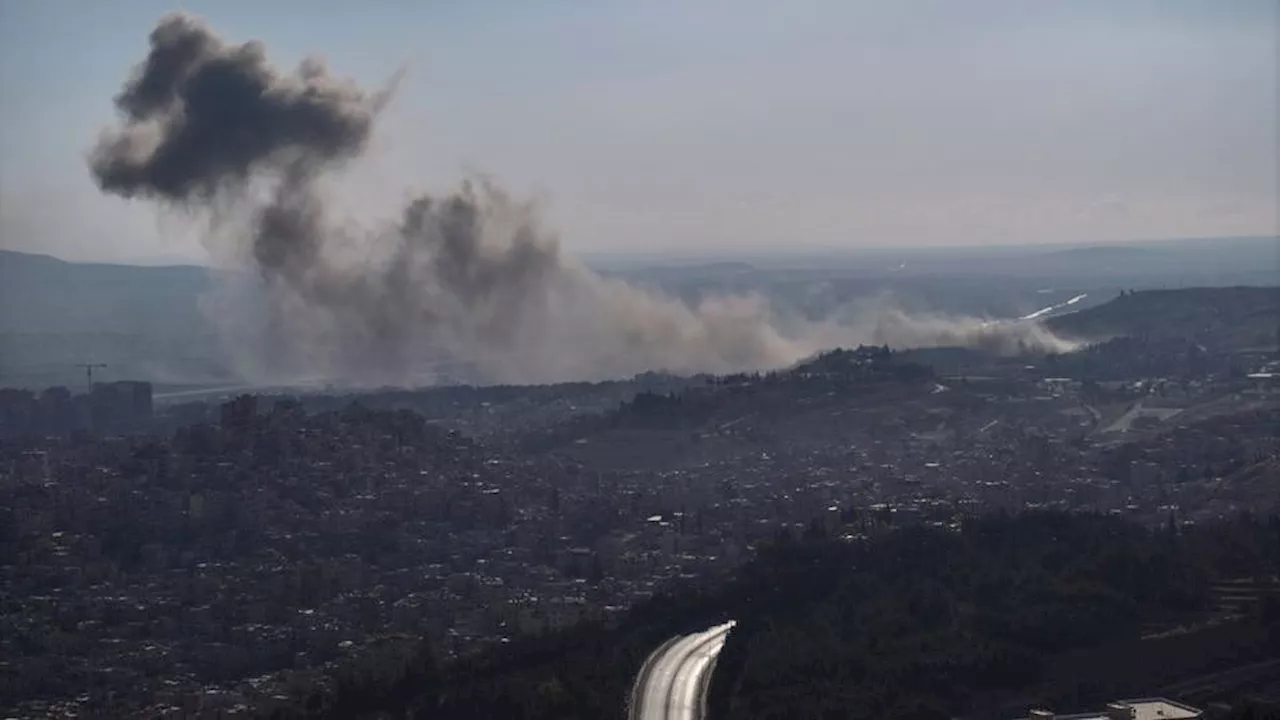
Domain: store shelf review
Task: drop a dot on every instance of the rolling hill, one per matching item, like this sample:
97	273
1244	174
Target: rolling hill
143	322
1228	318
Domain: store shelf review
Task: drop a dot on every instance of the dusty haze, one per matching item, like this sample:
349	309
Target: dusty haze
470	280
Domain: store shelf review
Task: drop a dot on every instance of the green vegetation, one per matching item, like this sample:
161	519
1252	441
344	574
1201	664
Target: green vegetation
915	623
925	622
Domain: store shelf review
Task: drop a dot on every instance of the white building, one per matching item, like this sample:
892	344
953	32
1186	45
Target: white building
1137	709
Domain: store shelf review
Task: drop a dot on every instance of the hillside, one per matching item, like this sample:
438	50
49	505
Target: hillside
152	322
143	322
929	624
42	294
1229	318
916	623
741	418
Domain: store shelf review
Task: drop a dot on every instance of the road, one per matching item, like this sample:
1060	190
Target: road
1051	308
201	393
673	682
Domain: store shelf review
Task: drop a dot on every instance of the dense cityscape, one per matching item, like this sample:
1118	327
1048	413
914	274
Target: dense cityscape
643	361
225	566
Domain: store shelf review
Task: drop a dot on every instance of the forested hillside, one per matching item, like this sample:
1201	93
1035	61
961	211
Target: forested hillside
928	623
912	623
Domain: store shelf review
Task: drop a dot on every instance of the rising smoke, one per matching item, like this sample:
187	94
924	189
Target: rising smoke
468	279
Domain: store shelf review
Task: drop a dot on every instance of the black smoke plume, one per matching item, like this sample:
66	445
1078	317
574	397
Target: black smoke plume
202	116
468	280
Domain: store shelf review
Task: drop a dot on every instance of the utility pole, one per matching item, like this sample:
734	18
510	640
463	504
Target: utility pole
88	371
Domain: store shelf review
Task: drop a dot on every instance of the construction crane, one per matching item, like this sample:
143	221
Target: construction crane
88	371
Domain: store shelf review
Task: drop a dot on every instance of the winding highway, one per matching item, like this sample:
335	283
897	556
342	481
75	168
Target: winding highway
673	682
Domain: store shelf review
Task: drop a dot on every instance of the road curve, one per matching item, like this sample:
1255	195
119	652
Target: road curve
672	683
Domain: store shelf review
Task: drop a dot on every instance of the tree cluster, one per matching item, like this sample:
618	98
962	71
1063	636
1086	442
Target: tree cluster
918	623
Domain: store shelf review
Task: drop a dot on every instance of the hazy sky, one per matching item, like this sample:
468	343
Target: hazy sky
715	126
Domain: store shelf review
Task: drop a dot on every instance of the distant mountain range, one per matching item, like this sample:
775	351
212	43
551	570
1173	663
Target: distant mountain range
143	322
42	294
1182	262
148	322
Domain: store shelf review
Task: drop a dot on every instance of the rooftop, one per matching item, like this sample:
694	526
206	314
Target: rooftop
1136	709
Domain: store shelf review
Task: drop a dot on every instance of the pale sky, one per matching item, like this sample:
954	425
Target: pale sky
715	127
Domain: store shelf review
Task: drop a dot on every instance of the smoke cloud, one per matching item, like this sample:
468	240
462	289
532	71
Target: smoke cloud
469	282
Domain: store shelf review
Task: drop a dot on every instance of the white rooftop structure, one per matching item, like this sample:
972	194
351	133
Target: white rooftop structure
1136	709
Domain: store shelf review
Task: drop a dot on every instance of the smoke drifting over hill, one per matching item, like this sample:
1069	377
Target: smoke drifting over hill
469	279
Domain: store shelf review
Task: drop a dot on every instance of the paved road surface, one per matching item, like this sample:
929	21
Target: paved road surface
672	684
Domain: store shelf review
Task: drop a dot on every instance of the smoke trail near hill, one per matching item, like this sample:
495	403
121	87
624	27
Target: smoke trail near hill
471	278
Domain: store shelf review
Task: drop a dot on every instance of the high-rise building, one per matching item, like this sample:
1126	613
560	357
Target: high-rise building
57	411
18	412
238	414
120	407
